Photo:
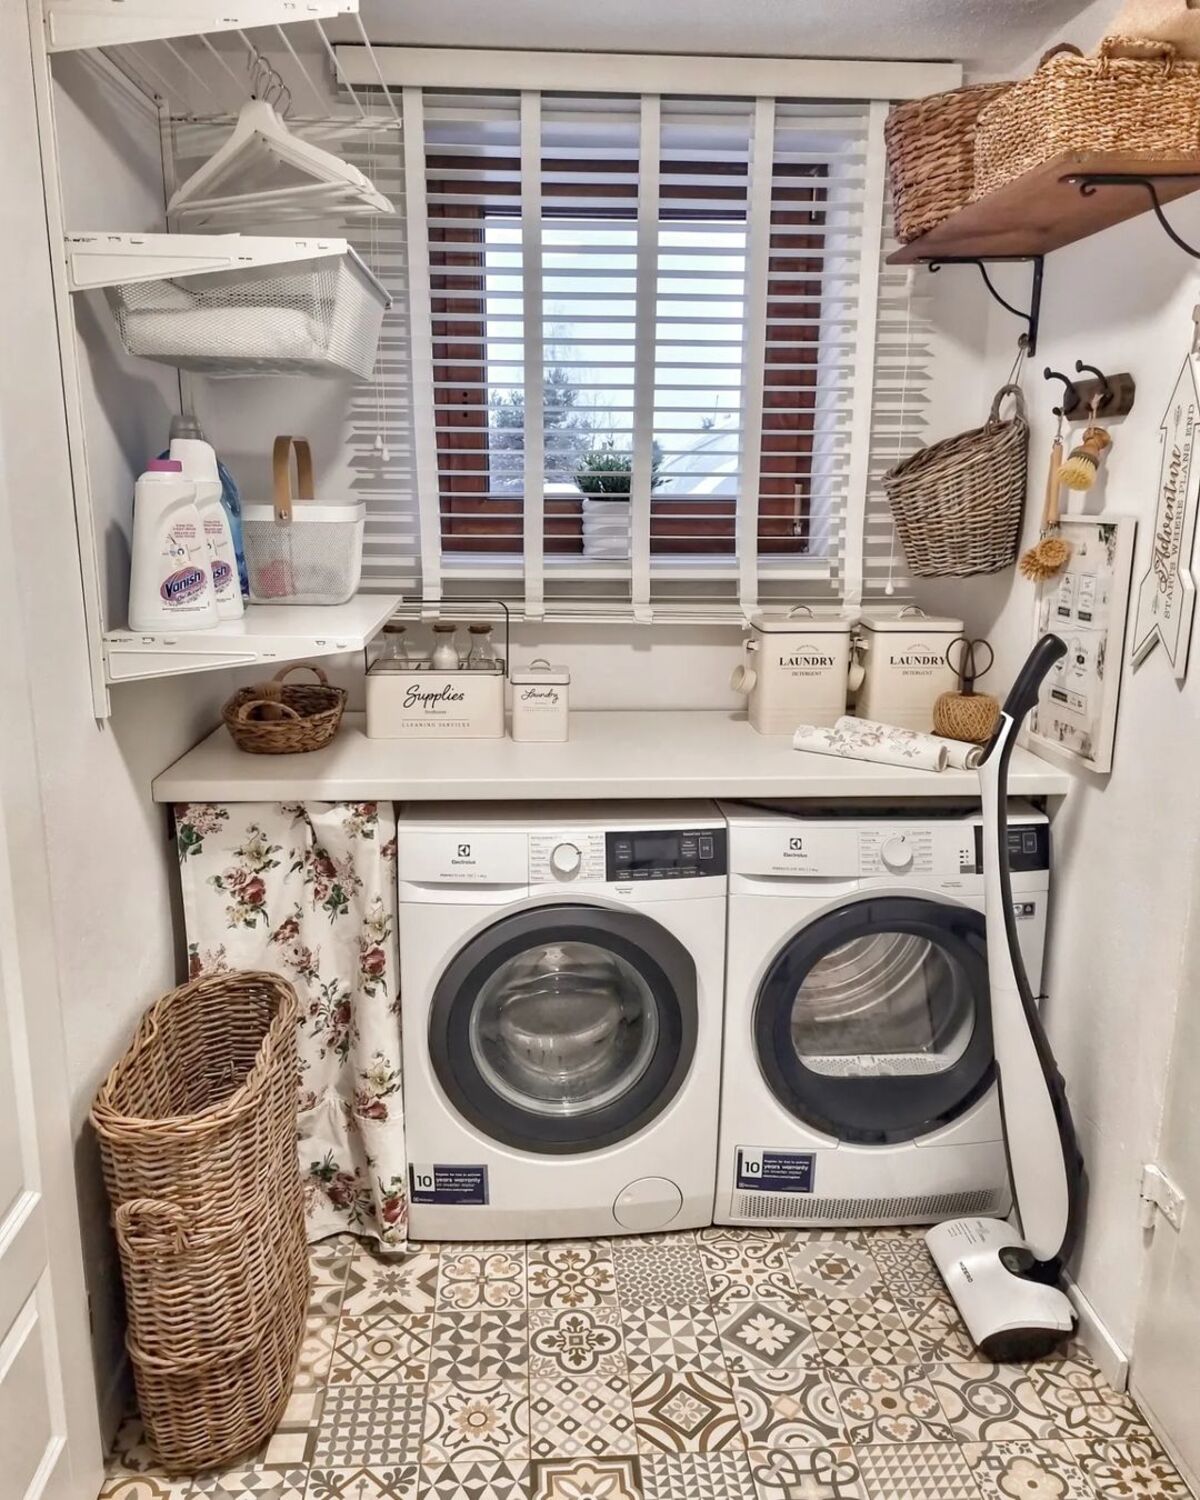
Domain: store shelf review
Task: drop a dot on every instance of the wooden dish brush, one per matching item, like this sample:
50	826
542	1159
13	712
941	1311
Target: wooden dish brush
1083	463
1050	552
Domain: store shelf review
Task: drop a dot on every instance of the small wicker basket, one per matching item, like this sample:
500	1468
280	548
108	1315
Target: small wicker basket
931	155
197	1128
957	504
285	718
1141	106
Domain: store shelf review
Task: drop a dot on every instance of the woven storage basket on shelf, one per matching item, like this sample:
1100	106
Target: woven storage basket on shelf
197	1128
1142	107
931	155
957	504
285	718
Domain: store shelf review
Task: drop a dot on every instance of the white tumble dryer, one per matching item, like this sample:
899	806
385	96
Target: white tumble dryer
858	1083
561	972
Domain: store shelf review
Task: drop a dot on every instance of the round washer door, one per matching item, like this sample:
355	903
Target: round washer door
873	1023
565	1028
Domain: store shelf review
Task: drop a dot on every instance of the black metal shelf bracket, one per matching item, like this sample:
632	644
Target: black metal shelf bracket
1032	319
1089	182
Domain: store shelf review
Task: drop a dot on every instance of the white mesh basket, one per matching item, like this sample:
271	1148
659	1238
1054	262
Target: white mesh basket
320	316
302	553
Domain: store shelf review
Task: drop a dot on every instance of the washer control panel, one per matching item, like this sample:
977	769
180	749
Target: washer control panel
670	854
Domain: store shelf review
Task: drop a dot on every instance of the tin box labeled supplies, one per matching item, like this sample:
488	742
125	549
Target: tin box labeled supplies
539	701
794	671
904	665
423	703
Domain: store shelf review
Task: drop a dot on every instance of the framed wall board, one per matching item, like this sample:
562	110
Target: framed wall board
1087	604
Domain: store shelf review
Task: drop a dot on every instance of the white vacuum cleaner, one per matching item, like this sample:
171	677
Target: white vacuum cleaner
1004	1280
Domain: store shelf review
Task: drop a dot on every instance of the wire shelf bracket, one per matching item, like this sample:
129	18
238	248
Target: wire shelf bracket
74	24
1089	183
1032	319
100	260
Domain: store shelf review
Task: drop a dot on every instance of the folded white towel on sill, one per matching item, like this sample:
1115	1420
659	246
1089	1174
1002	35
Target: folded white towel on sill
864	739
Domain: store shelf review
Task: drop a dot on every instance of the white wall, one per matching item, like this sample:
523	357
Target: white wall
113	885
1125	848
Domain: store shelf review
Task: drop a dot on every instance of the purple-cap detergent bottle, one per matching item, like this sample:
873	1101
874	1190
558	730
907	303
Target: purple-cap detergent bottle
170	582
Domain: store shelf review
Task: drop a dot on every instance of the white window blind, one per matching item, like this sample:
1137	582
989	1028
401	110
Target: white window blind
645	358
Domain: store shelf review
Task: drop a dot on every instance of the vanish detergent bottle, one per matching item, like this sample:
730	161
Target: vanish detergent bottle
170	583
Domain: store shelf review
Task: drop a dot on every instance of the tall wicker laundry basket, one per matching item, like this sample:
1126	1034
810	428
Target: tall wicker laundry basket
197	1127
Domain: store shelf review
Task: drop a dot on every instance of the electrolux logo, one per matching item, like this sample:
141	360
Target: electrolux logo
464	851
796	846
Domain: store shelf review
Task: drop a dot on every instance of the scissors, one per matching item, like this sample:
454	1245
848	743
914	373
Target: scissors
966	667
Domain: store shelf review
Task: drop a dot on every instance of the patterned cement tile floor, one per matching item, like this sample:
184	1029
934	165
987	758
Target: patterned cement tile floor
715	1365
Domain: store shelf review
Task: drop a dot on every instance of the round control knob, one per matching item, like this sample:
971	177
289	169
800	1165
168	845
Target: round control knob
897	855
565	860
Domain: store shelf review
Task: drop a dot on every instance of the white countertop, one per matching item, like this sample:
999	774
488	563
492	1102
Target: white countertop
661	754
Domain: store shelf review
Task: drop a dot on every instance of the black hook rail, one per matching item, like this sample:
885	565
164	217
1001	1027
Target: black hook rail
1112	395
1089	182
1032	318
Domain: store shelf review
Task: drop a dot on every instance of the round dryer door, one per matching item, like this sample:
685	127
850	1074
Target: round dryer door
873	1023
565	1028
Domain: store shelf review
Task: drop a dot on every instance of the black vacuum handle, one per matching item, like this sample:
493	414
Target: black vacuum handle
1024	692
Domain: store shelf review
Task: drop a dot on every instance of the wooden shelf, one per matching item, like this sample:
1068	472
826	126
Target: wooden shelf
1045	210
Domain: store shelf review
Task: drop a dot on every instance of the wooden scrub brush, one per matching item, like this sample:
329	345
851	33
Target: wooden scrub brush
1080	470
1050	552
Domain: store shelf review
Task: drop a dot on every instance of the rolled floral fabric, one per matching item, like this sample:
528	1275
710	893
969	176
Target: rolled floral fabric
863	739
308	890
961	755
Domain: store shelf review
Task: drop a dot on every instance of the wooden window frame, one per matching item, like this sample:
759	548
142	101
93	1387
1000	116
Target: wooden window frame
475	520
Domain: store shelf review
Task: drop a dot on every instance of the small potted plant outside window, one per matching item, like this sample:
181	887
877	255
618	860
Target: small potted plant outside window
604	477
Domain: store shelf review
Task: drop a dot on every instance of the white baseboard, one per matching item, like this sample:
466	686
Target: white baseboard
1112	1360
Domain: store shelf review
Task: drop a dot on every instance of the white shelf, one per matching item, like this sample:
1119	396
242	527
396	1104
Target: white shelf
72	24
664	754
102	259
265	633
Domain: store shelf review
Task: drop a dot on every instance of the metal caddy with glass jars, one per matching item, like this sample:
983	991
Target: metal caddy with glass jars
453	694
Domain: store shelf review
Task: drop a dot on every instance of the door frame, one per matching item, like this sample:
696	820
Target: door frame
73	1469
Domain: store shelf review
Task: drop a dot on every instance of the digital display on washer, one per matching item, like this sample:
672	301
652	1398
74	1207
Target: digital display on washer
1028	847
668	855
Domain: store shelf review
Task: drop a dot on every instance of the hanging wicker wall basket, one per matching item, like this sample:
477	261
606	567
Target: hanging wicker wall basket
957	504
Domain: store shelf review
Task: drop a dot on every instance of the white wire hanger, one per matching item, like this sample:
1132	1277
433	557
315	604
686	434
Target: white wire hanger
264	170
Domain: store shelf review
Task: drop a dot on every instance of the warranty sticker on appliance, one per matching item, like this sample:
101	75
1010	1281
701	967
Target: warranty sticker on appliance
447	1184
775	1171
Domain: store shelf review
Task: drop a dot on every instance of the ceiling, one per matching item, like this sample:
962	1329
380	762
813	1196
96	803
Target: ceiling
989	36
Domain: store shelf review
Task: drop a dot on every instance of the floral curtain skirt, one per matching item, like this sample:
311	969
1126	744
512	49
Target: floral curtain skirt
308	890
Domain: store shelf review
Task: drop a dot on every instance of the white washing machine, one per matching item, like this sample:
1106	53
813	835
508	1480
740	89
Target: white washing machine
562	976
858	1084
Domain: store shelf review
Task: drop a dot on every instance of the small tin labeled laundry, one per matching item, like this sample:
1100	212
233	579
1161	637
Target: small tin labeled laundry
423	703
904	665
794	670
539	701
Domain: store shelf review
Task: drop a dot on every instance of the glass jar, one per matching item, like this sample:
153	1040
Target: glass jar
445	647
481	657
394	655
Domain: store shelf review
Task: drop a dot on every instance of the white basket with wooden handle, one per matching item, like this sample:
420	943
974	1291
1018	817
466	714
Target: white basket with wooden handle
300	549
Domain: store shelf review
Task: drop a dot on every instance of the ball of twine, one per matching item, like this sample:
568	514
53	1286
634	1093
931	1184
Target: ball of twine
966	716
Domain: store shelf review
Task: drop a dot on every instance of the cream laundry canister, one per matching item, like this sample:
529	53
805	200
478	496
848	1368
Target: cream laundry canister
794	670
905	670
539	701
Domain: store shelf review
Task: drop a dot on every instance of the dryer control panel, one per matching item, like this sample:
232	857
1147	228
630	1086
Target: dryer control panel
849	849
